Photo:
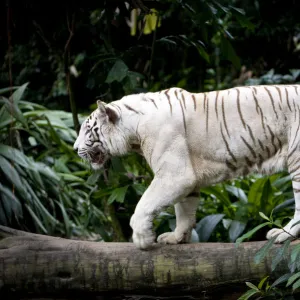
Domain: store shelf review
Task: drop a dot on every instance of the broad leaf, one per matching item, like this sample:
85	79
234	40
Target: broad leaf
250	233
118	72
118	195
262	252
206	226
236	229
248	295
281	279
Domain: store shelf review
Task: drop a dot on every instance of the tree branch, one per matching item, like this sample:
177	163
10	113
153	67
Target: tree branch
38	264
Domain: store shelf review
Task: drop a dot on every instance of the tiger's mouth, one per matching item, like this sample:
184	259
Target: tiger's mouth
97	159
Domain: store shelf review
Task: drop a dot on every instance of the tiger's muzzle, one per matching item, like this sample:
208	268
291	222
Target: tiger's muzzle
95	156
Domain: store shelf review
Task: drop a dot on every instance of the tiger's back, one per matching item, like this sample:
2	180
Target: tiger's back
232	132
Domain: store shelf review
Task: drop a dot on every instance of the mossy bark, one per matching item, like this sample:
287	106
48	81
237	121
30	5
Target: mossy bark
38	264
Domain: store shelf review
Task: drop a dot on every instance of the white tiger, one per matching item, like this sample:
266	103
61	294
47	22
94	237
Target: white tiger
195	140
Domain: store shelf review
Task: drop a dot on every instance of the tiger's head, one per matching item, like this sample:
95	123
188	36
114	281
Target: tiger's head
91	142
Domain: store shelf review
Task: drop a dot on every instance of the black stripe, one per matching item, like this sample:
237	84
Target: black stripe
262	121
183	116
132	109
287	99
205	97
295	136
224	119
195	104
291	171
249	162
249	147
230	166
272	101
268	150
216	104
227	146
168	96
256	102
183	98
153	102
239	108
272	138
251	135
279	92
261	160
279	142
294	162
260	144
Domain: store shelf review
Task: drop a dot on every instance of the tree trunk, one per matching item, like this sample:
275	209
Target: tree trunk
31	263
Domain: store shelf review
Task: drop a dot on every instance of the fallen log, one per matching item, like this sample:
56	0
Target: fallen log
38	264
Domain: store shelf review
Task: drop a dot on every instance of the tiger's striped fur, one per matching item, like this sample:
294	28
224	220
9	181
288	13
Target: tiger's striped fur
196	140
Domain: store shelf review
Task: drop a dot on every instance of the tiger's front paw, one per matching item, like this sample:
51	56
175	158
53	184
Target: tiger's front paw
142	236
288	232
174	238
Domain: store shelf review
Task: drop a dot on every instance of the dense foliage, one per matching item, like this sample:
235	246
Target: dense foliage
53	67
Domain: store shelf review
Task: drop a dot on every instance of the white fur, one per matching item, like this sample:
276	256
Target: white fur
196	140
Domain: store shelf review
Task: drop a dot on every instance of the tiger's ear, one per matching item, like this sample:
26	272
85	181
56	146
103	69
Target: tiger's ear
108	112
101	107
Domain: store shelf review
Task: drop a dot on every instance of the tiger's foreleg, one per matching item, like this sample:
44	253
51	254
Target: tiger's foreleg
289	231
162	192
185	220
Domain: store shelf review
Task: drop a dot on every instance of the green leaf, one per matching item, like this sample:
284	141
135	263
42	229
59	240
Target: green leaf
218	193
252	286
235	230
118	195
260	192
11	174
202	52
293	278
296	285
67	221
229	53
281	254
238	192
14	111
281	279
250	233
94	177
139	188
10	204
206	226
248	295
36	219
261	283
295	253
14	155
12	201
262	252
264	216
245	22
118	72
8	90
18	94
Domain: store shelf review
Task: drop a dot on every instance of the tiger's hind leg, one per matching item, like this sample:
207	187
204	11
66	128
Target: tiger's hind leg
289	231
185	220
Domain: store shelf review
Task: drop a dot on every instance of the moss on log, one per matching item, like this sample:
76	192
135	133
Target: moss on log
31	263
